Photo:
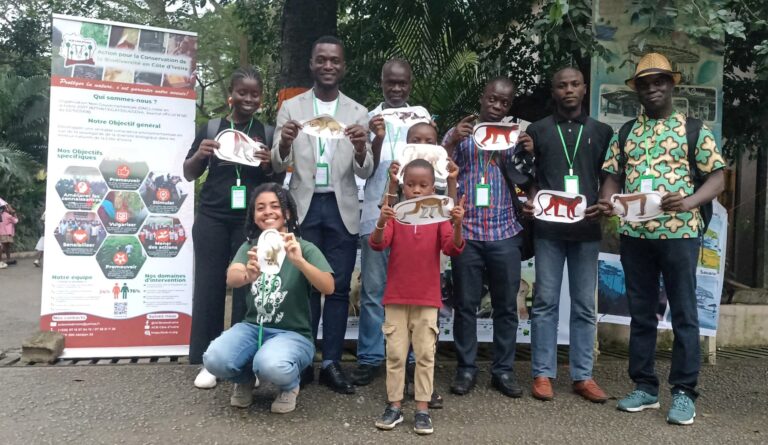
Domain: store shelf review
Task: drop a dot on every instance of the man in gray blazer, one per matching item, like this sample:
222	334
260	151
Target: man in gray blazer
323	185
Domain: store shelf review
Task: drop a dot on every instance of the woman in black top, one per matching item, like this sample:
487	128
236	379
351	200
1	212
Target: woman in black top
219	224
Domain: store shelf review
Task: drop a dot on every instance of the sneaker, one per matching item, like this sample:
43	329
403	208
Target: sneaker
364	374
637	401
10	262
242	394
422	423
3	265
436	402
683	409
285	402
391	417
36	263
205	380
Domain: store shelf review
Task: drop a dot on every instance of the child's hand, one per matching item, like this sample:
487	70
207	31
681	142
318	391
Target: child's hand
457	213
377	126
394	169
387	213
292	248
453	170
252	269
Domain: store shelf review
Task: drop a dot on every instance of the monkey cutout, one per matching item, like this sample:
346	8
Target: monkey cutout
496	136
648	204
496	132
428	206
624	200
555	202
424	210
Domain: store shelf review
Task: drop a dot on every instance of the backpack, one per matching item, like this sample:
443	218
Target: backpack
692	130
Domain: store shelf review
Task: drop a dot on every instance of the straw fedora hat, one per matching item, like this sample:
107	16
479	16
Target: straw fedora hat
653	63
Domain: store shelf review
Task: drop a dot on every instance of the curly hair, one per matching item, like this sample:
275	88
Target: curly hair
287	206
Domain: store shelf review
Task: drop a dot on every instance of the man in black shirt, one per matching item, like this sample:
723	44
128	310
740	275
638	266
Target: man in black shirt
570	148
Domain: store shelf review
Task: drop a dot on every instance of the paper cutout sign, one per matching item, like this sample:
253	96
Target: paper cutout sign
496	135
323	126
424	210
637	207
561	207
405	117
270	252
434	154
235	146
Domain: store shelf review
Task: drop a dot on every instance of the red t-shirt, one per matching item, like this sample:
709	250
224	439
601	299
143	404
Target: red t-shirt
413	274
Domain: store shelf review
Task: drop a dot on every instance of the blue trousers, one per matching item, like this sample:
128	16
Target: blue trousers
370	339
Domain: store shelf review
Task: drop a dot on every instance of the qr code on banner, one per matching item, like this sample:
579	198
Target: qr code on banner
121	309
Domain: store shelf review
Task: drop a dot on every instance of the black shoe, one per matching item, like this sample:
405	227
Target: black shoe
333	377
422	423
507	384
307	376
391	417
364	374
410	379
10	262
463	382
436	402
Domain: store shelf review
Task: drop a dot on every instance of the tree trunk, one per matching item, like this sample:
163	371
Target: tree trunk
302	23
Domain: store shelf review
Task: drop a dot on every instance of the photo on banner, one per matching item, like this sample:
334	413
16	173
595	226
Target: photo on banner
118	281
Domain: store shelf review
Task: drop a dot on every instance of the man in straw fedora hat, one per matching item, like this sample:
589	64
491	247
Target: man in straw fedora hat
667	152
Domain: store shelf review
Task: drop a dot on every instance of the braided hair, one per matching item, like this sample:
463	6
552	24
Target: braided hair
287	206
245	72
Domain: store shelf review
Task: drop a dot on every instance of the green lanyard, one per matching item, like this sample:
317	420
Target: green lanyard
482	165
320	142
247	132
565	148
389	139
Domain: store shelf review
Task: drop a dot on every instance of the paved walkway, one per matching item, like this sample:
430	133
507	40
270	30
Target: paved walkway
157	404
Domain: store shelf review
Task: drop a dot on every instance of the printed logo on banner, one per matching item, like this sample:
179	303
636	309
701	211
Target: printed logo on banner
77	50
123	171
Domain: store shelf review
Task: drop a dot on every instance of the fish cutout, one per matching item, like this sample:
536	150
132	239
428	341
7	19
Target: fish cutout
405	117
270	251
560	207
496	135
323	126
424	210
235	146
637	207
434	154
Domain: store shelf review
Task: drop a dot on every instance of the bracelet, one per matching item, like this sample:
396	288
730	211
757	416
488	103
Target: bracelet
380	228
392	195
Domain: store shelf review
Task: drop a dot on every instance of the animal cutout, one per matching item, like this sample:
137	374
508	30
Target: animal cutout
235	146
637	207
434	154
555	206
405	117
270	251
496	136
324	126
423	210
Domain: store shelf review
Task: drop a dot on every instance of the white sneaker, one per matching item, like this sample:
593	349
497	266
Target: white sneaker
205	380
242	394
3	265
285	402
36	263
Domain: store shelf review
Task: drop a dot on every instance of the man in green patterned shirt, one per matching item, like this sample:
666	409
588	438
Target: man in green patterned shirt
654	157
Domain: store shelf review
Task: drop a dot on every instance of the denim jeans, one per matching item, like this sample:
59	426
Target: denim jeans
324	227
675	260
582	279
501	260
236	356
370	339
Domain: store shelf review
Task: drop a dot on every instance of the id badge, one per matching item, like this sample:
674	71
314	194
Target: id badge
321	177
572	184
482	195
237	196
646	184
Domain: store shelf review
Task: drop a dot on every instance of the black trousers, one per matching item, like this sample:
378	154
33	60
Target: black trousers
216	242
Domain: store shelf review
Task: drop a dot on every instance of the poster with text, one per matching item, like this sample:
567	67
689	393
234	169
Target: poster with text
118	280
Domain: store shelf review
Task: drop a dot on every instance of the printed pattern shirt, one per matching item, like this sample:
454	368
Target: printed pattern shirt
668	149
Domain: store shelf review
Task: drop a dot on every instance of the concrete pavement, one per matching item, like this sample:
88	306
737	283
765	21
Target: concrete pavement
157	404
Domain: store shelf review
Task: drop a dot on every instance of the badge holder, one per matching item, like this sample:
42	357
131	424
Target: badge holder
482	194
571	183
237	196
646	184
322	175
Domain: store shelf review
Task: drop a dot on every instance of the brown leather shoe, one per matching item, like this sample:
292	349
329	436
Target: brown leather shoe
590	391
542	389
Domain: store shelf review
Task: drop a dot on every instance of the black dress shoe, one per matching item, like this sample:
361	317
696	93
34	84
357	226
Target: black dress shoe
307	376
463	382
333	377
364	374
507	384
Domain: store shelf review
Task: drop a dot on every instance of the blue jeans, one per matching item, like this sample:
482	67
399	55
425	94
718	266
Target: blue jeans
644	261
236	356
370	339
323	227
582	279
501	261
